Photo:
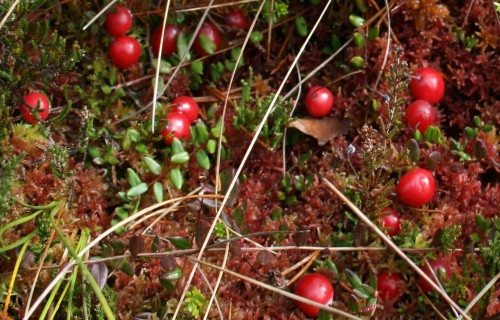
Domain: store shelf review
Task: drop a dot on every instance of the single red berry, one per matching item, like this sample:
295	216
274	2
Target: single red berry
416	188
32	101
119	22
319	101
316	287
427	84
441	269
177	126
390	221
420	114
187	106
169	40
209	31
389	285
236	19
124	51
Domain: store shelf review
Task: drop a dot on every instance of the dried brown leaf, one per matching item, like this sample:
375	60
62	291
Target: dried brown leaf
322	129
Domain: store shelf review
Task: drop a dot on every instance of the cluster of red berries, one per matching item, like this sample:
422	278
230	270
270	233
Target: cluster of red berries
183	113
417	187
427	87
124	51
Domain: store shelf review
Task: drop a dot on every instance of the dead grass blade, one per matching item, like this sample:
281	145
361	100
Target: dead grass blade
9	12
100	13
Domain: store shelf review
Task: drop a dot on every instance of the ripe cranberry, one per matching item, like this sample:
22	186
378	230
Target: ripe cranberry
211	32
440	267
236	19
177	126
319	101
169	40
316	287
389	285
420	114
119	22
124	51
390	221
428	84
416	188
187	106
32	101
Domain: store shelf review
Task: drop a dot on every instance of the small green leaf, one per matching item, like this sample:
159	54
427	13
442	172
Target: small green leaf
256	37
361	4
121	213
353	278
207	44
141	148
470	133
120	229
475	237
359	40
432	134
112	77
203	160
487	128
201	132
357	62
417	135
182	42
360	294
477	121
158	191
330	265
179	242
94	151
324	315
137	190
169	278
153	166
106	89
211	146
176	178
276	214
132	177
180	157
356	21
373	33
127	268
301	26
335	42
177	146
197	66
165	66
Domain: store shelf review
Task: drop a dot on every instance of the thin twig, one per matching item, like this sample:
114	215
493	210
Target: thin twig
99	14
312	258
11	9
157	73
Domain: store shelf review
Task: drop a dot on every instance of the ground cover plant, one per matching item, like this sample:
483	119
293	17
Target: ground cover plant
249	159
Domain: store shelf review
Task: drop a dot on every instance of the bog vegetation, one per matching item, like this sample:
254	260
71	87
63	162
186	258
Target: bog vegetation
346	145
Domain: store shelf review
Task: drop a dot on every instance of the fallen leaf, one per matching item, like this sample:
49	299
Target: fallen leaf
322	129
